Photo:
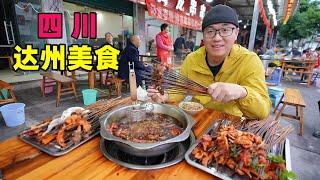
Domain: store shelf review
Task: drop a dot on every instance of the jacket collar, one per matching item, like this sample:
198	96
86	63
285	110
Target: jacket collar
162	33
130	44
203	68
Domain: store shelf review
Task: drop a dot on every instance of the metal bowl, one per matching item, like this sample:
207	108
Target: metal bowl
147	149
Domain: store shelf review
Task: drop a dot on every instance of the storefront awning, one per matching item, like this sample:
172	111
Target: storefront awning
115	6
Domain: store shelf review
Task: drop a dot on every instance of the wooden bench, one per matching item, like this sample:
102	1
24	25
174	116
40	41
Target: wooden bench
292	97
9	88
60	80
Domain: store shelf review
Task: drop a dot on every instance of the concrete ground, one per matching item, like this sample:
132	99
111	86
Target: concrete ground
305	151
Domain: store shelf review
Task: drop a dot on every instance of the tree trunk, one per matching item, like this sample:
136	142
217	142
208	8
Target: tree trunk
299	42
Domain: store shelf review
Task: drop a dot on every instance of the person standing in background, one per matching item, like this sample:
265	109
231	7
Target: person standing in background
164	45
179	46
190	44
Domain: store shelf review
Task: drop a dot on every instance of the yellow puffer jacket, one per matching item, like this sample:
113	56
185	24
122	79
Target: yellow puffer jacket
240	67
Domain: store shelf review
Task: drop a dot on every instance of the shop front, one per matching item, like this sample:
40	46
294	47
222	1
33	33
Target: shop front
184	17
21	18
115	17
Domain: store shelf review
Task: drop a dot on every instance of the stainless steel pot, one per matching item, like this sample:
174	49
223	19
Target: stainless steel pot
147	149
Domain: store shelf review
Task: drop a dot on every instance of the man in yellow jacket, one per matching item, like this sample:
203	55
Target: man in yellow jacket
234	76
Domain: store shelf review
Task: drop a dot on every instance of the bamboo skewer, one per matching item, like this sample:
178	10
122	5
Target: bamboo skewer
173	82
272	132
95	111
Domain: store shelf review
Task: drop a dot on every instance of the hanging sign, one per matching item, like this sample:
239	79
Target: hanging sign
265	20
288	11
186	13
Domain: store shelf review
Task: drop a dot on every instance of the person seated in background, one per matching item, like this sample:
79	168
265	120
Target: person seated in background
306	55
271	52
317	65
131	54
296	54
109	38
259	51
277	57
234	75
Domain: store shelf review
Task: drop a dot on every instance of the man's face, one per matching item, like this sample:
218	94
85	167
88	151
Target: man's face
137	41
219	44
109	38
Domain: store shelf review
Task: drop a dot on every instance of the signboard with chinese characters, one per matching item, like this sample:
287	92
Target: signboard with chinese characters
264	17
60	57
186	13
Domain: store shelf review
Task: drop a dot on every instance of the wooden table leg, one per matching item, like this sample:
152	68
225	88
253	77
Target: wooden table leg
118	87
301	120
74	90
309	79
43	86
58	93
280	112
281	99
91	79
110	90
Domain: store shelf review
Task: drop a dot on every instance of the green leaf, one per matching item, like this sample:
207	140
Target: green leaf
304	23
234	151
286	175
275	159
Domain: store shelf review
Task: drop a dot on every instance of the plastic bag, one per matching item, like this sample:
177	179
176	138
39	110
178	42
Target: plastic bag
142	95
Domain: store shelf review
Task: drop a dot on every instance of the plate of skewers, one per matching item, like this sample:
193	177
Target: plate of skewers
258	150
61	134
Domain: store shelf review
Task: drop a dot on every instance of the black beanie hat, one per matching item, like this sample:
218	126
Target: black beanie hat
220	14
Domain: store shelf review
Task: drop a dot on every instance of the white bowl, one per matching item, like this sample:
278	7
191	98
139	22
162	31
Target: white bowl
197	107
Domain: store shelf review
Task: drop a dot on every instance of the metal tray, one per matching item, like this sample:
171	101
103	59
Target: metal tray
224	172
53	149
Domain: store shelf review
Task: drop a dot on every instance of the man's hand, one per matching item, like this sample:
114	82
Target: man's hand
225	92
156	96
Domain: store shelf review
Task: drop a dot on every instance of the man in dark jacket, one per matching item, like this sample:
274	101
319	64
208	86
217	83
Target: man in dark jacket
179	45
131	54
109	38
190	44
